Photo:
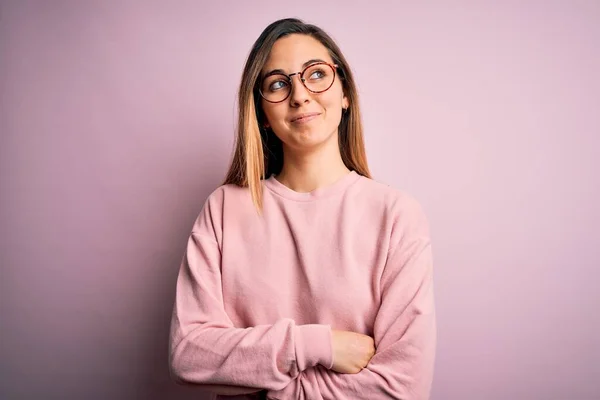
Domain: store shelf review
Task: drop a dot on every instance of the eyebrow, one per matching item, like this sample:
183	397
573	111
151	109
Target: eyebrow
282	72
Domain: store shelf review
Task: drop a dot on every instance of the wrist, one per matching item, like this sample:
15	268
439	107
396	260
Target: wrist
313	346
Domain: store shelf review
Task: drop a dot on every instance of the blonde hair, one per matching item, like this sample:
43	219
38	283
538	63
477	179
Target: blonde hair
258	152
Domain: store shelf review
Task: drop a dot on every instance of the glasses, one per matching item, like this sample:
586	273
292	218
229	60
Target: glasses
316	78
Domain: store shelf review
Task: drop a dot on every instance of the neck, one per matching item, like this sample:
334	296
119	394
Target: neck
308	171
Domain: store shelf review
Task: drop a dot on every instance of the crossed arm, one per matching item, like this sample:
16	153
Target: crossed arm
293	361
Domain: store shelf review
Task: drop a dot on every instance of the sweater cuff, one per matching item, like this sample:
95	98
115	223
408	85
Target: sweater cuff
313	346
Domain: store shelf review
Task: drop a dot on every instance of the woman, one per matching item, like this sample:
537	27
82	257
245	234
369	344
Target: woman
303	277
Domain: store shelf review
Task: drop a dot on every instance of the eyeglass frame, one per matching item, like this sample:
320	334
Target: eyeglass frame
334	67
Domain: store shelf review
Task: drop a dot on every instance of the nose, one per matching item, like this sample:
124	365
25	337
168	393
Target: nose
299	93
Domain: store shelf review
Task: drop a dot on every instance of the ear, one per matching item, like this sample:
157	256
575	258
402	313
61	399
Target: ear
345	103
263	121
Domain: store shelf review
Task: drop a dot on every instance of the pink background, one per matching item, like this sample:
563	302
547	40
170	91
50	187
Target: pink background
117	121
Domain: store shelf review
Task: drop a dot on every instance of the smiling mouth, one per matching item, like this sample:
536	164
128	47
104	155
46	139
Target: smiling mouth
305	117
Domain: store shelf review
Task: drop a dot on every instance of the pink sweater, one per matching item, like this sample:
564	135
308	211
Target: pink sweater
257	297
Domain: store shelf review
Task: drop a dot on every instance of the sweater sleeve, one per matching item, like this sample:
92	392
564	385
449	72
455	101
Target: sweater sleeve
404	330
206	348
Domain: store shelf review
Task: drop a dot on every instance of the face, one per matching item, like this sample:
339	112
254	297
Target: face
304	119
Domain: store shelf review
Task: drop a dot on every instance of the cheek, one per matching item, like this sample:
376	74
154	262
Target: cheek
274	113
333	105
333	98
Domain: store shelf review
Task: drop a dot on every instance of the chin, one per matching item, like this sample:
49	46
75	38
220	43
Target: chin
310	138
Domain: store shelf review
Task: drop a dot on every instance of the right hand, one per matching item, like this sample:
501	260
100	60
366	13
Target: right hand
351	351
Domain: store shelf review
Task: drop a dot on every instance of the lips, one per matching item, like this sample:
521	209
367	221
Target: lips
304	116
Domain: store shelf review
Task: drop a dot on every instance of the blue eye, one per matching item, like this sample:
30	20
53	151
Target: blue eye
277	85
318	74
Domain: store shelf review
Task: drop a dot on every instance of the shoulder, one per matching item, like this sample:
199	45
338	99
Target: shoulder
218	204
401	208
228	201
395	200
227	194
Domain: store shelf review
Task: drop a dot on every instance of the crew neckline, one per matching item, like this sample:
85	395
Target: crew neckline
279	188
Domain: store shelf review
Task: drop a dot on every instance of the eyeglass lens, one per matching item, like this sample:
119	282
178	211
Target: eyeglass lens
316	78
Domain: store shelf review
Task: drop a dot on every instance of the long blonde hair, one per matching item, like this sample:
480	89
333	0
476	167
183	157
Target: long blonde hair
258	152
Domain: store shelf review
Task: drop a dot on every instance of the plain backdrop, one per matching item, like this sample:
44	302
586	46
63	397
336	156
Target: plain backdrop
117	121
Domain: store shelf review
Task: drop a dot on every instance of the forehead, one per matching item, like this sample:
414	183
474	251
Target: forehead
290	52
